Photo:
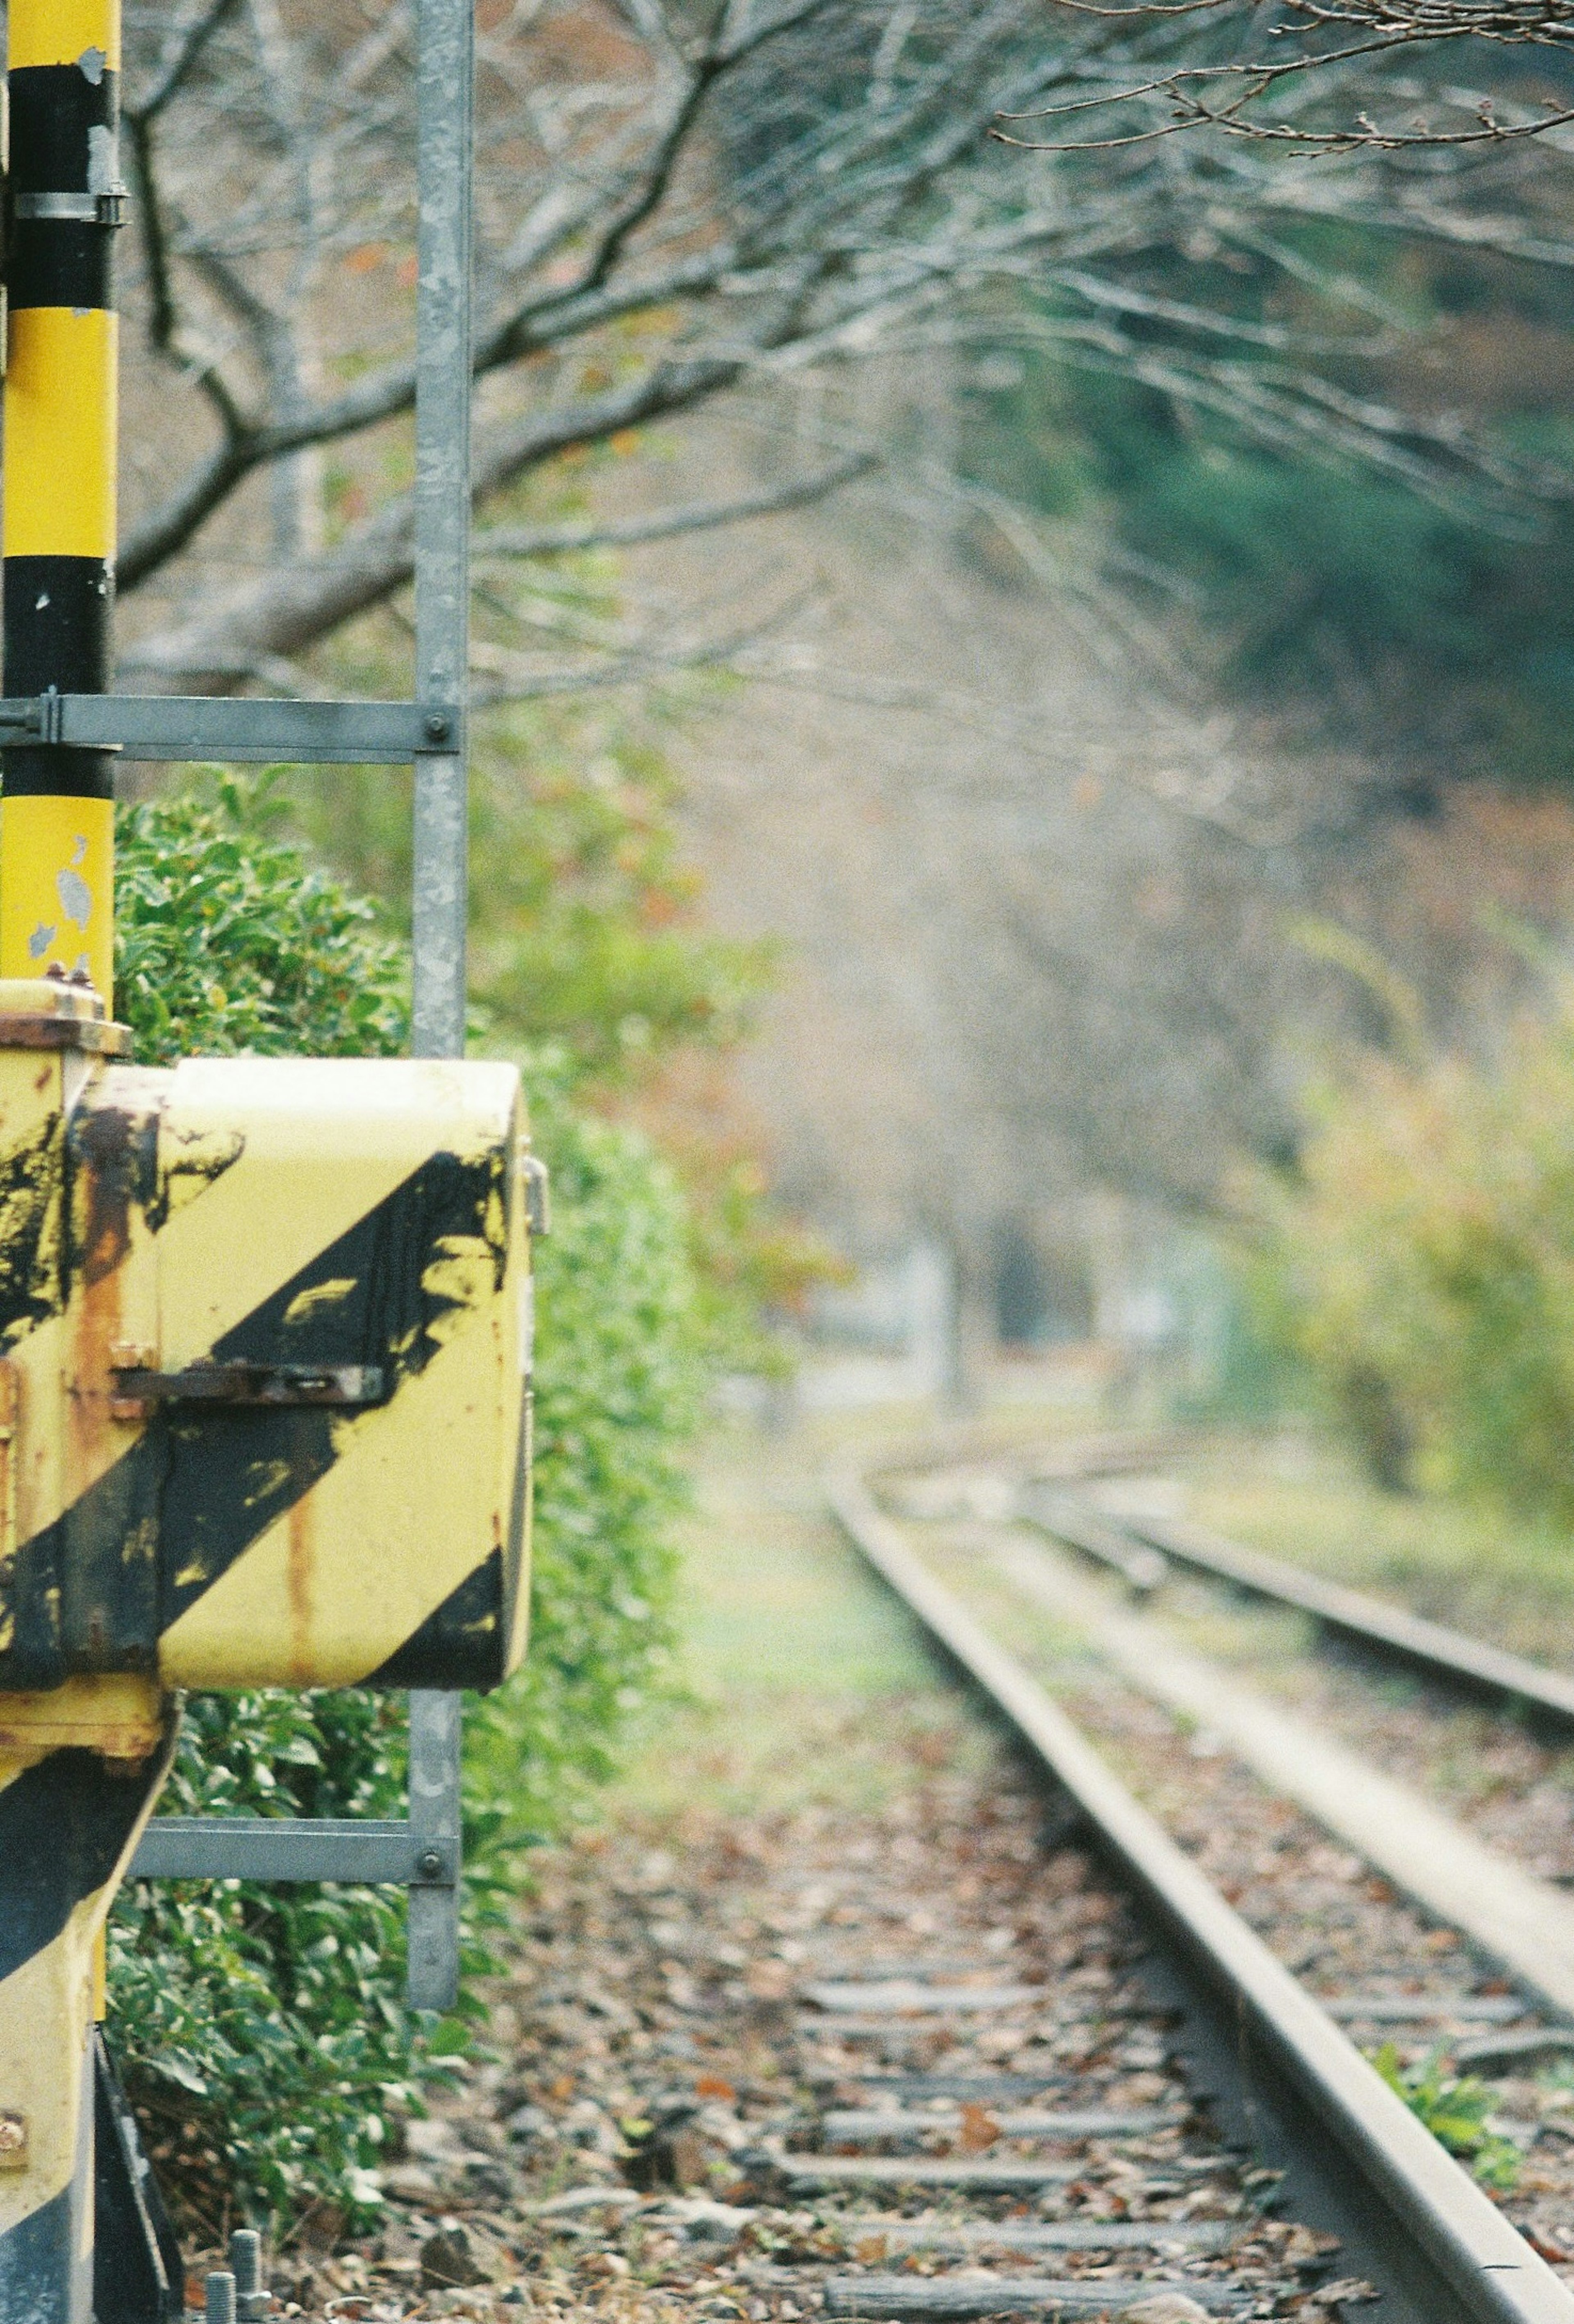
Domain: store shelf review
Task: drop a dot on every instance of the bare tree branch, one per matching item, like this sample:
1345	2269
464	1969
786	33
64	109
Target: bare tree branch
515	541
666	216
1335	42
184	48
290	609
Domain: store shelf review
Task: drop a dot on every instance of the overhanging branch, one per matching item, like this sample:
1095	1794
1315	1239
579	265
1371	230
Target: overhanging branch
516	541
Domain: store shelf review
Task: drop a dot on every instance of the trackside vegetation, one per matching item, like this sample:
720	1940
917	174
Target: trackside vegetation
1419	1261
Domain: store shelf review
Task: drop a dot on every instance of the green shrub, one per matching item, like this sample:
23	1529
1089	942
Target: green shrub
617	1392
1420	1261
228	938
261	2031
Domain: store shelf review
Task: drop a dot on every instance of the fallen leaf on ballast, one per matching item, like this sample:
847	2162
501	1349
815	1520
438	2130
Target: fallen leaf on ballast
1305	2244
449	2258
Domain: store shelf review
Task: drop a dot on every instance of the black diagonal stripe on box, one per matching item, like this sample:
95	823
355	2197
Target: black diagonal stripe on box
215	1482
36	2262
63	1824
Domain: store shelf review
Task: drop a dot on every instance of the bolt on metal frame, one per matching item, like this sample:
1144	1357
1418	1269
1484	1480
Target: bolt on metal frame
421	1854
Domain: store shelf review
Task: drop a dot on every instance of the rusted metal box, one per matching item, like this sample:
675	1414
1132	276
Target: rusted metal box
265	1364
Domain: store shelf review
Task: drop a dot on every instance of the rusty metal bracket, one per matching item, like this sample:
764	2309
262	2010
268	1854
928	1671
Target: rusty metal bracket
242	1383
104	1040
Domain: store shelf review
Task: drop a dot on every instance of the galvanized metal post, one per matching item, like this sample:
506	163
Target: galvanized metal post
445	71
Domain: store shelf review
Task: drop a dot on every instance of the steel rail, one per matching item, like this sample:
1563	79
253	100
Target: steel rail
1442	2247
1430	1647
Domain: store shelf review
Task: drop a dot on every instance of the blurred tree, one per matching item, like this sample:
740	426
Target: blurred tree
1367	612
1420	1260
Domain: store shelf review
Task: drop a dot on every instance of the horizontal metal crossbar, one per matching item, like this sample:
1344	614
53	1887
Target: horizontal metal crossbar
220	726
380	1851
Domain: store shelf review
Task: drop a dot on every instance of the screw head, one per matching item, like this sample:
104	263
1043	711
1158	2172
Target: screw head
428	1863
437	725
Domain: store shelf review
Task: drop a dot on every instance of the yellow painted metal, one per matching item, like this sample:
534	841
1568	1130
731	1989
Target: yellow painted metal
335	1587
311	1148
46	2022
58	1357
366	1212
60	419
119	1714
47	2013
519	1477
421	1492
299	1218
57	888
36	995
62	33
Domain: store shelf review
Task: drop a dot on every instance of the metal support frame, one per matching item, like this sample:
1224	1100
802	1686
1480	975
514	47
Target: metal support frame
217	727
423	1854
138	2275
374	1849
445	75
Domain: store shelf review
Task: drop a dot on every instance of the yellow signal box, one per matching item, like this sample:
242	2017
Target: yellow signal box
267	1330
265	1420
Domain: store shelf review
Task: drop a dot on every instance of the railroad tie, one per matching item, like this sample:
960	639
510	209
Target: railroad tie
892	2232
1424	2008
902	1997
981	2173
877	2126
975	2294
972	2088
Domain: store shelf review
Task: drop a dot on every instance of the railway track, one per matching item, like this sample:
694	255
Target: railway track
1145	1551
1509	1717
1396	2197
997	2047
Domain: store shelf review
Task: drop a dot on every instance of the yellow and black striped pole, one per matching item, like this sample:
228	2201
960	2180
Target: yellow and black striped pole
57	808
81	1765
